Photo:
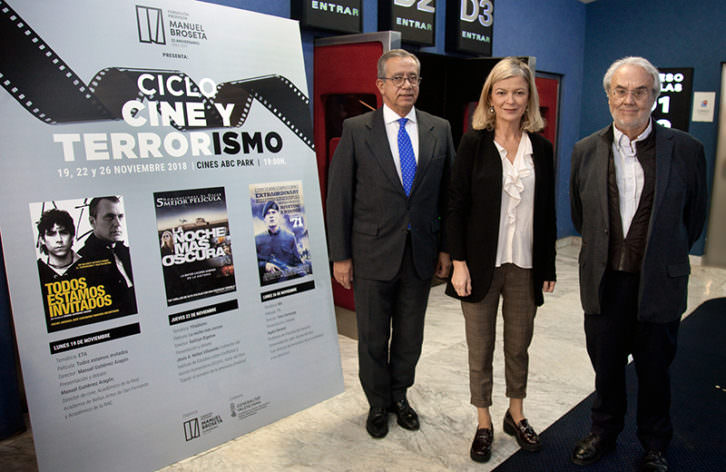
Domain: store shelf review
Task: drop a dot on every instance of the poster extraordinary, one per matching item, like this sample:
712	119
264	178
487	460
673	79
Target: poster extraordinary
281	240
152	156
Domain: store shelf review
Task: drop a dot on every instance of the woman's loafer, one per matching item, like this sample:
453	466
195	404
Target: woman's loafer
526	437
481	447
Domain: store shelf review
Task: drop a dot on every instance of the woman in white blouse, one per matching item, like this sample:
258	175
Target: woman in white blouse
501	230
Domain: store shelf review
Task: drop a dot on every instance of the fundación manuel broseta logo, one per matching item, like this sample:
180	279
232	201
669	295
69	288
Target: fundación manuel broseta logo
191	429
150	22
179	29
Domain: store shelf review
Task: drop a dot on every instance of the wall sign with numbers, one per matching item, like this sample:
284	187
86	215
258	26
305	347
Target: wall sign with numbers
672	109
415	19
469	26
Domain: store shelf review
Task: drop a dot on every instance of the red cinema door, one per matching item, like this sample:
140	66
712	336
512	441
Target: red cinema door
548	89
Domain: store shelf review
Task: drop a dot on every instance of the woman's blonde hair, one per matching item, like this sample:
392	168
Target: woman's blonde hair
506	68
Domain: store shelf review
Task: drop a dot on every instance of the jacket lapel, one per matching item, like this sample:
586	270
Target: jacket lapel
426	146
493	160
537	156
380	149
601	161
663	158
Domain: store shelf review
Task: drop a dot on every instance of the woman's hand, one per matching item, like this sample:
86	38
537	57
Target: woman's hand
461	280
548	286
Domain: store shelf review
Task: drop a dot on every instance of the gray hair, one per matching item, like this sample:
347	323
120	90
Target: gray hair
395	53
634	61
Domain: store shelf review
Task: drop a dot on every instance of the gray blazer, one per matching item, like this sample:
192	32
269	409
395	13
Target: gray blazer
676	221
367	212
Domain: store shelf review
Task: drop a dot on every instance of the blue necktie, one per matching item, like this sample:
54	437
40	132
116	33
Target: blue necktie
406	156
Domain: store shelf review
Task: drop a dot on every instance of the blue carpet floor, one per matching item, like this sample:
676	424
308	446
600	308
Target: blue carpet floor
698	410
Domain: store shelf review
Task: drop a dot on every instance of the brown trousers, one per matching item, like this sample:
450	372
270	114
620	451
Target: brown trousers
514	284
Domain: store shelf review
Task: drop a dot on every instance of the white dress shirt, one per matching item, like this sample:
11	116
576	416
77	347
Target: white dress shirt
628	174
390	118
120	266
517	212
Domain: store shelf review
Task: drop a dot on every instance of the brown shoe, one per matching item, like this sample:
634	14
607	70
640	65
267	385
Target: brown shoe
481	447
526	437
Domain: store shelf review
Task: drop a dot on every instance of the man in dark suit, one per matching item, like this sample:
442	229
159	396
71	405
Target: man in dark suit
105	246
638	197
387	192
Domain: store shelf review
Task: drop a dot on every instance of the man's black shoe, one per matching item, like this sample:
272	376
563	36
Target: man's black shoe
481	447
590	449
407	417
377	422
653	461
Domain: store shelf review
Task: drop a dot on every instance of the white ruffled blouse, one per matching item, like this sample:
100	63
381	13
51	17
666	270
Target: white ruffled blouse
517	213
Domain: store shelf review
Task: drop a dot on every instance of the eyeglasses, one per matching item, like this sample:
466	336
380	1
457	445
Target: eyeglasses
398	80
638	94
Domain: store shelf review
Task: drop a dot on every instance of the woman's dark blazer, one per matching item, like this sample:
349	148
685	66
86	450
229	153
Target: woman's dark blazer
475	200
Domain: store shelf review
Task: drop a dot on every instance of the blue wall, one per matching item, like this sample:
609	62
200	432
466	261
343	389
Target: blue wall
669	34
553	31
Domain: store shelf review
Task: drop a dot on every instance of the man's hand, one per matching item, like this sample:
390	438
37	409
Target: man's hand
343	272
443	266
548	286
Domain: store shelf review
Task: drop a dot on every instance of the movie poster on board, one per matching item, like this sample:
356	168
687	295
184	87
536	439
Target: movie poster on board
83	260
281	234
194	243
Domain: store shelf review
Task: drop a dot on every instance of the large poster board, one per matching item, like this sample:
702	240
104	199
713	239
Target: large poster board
151	155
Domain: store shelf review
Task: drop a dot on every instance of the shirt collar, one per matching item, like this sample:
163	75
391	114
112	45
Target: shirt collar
525	144
390	116
622	140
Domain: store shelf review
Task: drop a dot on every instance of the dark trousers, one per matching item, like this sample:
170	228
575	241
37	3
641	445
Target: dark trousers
611	336
390	310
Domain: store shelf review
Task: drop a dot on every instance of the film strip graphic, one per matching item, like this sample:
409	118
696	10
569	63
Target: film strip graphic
50	90
272	91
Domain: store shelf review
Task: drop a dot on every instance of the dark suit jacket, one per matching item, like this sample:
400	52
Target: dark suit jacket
108	275
676	221
368	213
475	200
